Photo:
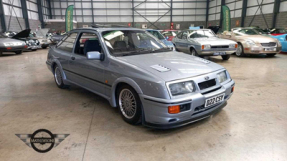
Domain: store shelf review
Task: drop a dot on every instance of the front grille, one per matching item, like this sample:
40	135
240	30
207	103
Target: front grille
224	46
207	84
271	44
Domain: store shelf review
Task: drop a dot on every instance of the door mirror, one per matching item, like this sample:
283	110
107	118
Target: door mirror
94	55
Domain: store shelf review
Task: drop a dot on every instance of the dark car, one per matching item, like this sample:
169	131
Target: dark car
215	29
56	38
30	42
11	45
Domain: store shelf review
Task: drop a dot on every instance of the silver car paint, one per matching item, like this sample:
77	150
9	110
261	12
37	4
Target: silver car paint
10	40
185	45
103	77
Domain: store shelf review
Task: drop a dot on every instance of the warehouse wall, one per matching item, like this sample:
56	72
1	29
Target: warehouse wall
281	21
185	13
14	25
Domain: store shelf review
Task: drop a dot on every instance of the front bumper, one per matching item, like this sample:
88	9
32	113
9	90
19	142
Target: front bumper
261	50
213	52
156	110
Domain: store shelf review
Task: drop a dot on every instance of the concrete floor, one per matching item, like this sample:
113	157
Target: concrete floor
253	126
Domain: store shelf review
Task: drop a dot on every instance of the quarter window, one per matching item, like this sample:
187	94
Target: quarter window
179	35
68	43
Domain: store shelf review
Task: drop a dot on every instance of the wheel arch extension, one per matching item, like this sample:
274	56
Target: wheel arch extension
119	82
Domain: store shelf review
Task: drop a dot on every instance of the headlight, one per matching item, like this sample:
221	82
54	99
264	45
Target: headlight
250	42
233	46
205	47
222	76
279	43
181	88
27	42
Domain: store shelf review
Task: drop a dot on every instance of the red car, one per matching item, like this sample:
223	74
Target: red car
169	34
276	32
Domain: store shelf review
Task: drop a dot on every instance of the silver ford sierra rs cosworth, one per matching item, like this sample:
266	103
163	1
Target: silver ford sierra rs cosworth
146	80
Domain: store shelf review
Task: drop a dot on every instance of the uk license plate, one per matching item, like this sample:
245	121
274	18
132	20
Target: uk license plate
219	53
214	100
270	49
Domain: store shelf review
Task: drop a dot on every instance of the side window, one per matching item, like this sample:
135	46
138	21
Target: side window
184	35
86	42
68	43
192	36
179	35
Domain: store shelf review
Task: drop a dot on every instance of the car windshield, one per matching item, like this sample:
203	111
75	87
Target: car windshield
246	32
157	34
279	31
132	42
201	34
261	31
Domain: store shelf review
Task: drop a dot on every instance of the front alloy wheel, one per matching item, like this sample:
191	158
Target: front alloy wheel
193	52
239	51
129	104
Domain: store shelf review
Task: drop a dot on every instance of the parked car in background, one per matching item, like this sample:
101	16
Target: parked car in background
57	38
278	31
10	33
283	41
204	42
11	45
41	36
137	73
251	42
30	42
215	29
169	34
158	35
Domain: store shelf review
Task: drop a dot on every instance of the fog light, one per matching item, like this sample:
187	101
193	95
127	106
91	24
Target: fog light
9	48
232	89
173	109
26	46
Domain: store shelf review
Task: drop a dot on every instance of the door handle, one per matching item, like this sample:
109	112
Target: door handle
73	58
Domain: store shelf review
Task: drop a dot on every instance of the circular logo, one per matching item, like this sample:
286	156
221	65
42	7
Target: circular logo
42	140
206	78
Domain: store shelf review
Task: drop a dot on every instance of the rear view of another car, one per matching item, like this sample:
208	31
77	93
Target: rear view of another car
11	45
158	35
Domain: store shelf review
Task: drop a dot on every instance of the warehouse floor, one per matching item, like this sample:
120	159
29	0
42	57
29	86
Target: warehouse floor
253	126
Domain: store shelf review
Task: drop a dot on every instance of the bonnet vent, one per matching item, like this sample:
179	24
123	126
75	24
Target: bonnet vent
160	68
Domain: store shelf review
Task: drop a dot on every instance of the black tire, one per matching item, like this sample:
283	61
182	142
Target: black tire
58	77
175	47
270	55
130	116
34	50
240	51
193	52
45	47
225	57
18	52
1	53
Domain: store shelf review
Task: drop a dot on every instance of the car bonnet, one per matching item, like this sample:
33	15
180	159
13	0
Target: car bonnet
172	65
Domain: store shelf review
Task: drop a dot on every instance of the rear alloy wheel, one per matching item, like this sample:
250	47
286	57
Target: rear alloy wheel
193	52
18	52
59	78
270	55
239	51
225	57
129	104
